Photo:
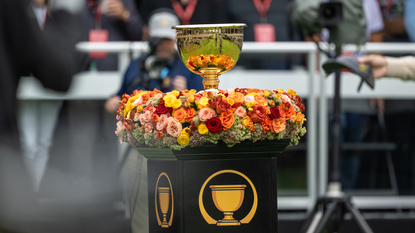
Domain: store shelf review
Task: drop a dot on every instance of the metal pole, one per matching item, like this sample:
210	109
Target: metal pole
312	132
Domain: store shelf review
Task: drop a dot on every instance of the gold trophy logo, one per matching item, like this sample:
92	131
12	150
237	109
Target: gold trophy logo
162	199
228	199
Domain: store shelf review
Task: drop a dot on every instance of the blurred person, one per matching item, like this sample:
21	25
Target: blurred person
110	20
51	58
393	19
393	12
409	19
189	11
267	21
89	136
356	113
37	118
162	68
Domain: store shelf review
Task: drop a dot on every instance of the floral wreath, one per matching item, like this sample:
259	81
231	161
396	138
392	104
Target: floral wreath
187	119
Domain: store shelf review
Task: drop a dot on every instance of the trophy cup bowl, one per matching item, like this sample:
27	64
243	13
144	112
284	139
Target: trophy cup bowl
209	49
164	200
228	199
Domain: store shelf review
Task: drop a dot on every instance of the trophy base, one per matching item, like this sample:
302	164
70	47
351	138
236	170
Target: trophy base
164	225
211	78
228	223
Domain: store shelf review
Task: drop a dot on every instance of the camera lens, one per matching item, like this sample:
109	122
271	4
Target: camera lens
329	12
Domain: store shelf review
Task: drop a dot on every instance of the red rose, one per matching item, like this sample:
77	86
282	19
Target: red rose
276	112
298	100
161	101
214	125
258	113
161	109
222	106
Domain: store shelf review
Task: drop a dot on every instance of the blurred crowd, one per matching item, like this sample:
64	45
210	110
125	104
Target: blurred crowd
69	147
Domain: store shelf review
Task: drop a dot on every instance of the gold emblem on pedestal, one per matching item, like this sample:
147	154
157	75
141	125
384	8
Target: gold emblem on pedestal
228	199
163	197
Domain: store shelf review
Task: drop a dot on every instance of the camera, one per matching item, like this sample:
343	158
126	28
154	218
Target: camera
154	66
330	14
345	19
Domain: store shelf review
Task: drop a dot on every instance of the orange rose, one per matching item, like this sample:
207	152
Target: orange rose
247	122
238	99
261	100
299	118
227	118
289	111
254	90
266	124
190	114
160	134
156	118
278	125
180	115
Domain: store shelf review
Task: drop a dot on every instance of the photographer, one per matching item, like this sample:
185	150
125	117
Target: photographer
162	68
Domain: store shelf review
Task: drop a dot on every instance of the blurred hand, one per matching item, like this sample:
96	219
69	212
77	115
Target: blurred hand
378	64
179	83
112	104
116	8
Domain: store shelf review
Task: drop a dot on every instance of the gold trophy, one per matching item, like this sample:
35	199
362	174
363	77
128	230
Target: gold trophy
164	200
228	199
209	49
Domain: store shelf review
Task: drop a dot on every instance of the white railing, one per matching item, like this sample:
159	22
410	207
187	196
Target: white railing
307	82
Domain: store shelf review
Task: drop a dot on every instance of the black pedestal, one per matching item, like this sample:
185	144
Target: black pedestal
214	188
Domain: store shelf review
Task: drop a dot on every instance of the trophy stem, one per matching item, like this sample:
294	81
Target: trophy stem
211	78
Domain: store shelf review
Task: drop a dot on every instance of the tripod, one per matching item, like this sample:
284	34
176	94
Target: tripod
335	203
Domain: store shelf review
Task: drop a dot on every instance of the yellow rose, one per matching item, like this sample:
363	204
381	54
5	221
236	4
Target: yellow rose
281	91
230	101
291	92
176	104
223	96
278	96
175	93
183	139
251	104
266	93
169	100
191	98
202	129
203	101
193	91
139	109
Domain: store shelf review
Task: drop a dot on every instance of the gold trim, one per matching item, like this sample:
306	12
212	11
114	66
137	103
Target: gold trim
251	213
172	199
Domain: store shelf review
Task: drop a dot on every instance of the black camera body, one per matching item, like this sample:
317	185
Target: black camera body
345	19
330	14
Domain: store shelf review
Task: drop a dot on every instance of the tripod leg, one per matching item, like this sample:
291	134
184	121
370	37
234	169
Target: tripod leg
358	218
326	217
313	218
